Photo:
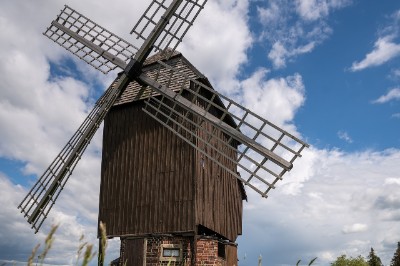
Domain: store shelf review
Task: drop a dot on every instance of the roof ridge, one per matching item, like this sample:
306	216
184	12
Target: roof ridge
166	54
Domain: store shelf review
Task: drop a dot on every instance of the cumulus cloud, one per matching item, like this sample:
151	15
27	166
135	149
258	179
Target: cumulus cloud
345	136
279	54
40	111
393	94
326	191
40	108
277	99
338	198
392	181
316	9
218	56
384	50
395	74
354	228
294	28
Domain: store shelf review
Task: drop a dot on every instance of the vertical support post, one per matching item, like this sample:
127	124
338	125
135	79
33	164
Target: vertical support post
148	44
193	249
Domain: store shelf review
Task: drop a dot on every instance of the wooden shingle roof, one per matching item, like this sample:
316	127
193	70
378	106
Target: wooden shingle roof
135	91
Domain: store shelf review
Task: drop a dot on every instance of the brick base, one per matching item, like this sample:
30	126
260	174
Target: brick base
193	250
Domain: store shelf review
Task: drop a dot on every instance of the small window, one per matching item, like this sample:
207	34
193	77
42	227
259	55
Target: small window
171	252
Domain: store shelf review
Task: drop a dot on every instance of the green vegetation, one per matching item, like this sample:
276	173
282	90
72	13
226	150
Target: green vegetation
396	257
86	250
88	254
344	261
373	259
310	263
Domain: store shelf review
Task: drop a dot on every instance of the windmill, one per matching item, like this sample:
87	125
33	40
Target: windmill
176	153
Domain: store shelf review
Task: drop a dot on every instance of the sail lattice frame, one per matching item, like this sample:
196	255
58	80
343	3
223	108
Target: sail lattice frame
257	168
178	25
40	199
89	41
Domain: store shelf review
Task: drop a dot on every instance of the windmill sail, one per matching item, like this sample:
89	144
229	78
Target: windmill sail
267	151
105	51
212	123
179	24
89	41
41	198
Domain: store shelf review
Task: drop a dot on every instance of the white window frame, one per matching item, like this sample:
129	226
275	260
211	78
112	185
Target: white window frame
171	246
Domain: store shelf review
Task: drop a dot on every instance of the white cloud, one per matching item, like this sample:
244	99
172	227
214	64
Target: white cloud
395	73
327	189
276	99
343	194
293	28
396	115
317	9
217	56
272	14
39	112
345	136
278	54
312	9
393	94
384	50
354	228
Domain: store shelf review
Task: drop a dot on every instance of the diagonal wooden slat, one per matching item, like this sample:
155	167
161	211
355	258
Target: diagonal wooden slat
179	24
265	155
89	41
81	36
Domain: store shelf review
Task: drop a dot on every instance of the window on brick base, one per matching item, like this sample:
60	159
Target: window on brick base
221	250
171	252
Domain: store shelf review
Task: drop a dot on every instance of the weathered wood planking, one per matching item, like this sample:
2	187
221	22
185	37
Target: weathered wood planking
154	182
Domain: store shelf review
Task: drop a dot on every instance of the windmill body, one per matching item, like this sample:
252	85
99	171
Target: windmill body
176	153
157	189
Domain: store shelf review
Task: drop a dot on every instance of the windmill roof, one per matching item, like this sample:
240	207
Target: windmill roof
136	92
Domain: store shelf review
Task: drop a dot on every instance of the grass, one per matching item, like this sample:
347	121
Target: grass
86	250
310	263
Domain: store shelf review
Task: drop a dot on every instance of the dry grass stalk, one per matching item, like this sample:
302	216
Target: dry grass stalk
103	235
32	257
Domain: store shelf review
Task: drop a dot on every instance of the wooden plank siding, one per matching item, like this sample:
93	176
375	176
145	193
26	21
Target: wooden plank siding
219	198
154	182
147	172
132	252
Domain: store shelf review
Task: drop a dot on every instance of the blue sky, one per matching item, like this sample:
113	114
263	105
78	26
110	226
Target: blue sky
339	99
328	71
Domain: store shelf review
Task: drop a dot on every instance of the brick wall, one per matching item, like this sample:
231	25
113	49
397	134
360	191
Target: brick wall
208	251
154	250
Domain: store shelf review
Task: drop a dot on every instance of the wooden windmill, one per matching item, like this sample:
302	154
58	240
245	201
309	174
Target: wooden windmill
176	153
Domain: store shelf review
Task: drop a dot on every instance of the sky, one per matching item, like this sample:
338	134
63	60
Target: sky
326	70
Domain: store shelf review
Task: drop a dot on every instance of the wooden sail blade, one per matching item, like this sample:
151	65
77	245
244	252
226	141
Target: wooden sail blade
179	24
41	198
205	138
90	42
104	51
266	152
